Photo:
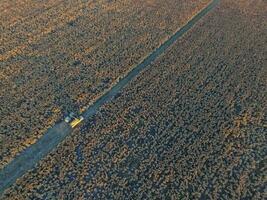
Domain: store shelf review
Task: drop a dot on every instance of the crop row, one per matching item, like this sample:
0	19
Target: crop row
193	126
60	59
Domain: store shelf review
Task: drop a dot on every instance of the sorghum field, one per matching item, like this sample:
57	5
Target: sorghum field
191	126
59	56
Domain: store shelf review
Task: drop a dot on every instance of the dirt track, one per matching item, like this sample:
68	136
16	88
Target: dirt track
59	56
194	127
50	140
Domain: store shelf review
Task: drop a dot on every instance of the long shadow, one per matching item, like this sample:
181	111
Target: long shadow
34	153
62	99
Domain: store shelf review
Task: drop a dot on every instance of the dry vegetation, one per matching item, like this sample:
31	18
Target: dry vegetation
193	126
58	56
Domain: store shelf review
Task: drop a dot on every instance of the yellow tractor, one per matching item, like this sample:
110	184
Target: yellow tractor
73	120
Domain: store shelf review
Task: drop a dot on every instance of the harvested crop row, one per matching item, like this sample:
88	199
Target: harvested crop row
192	126
64	57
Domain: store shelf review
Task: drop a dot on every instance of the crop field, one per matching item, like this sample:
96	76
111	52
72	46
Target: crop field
191	126
59	56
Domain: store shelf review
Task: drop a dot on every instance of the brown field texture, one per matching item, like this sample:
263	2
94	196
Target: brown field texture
192	126
59	56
